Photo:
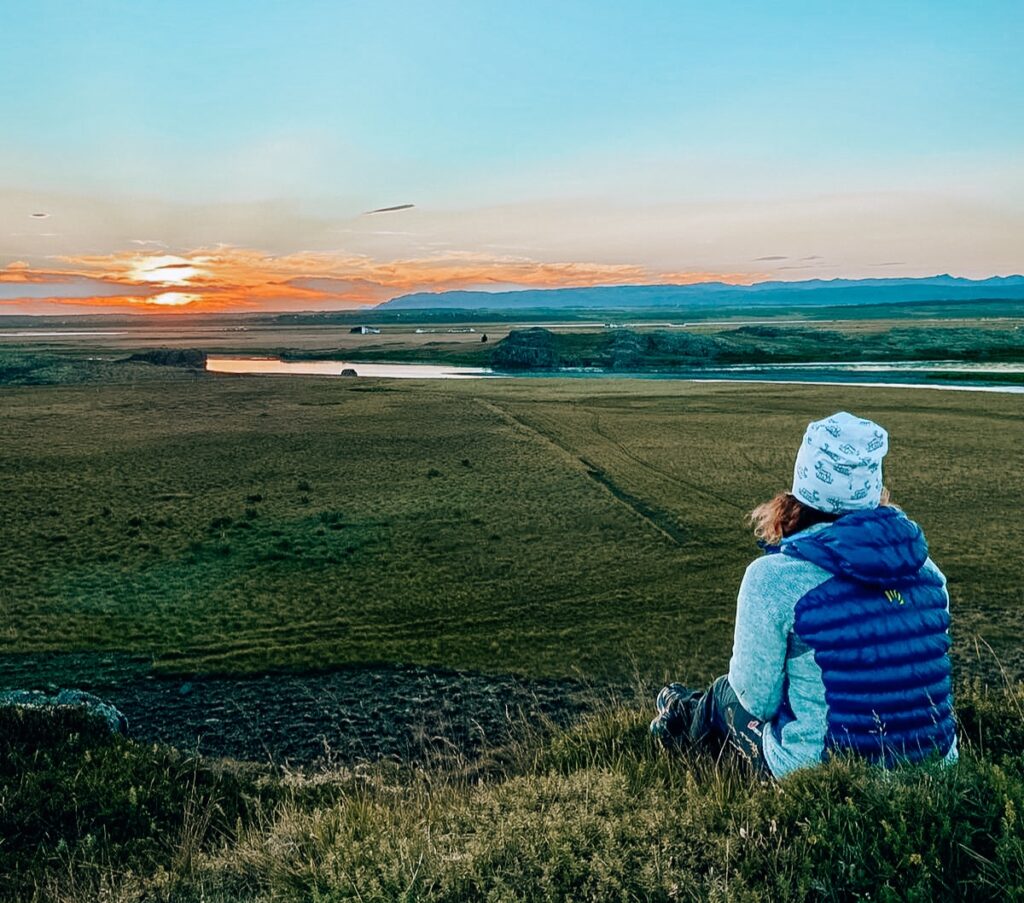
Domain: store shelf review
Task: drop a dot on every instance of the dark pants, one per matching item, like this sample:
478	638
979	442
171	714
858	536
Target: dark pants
721	724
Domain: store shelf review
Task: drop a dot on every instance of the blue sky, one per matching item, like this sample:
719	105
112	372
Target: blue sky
503	121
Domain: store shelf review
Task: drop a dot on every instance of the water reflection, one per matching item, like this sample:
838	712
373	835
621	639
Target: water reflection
862	384
885	367
911	375
273	365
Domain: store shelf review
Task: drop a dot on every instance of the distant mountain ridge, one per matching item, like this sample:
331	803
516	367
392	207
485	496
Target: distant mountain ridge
809	293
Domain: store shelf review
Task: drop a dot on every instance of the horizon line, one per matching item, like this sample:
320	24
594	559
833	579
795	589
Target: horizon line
184	311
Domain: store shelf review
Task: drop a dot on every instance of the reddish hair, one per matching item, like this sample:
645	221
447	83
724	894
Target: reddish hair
785	515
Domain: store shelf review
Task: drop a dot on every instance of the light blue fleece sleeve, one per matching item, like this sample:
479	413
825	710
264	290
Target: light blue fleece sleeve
954	752
930	565
764	618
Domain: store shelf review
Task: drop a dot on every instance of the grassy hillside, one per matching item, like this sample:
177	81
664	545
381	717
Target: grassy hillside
548	528
592	813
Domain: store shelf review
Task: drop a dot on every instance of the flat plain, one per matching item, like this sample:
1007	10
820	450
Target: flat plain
545	528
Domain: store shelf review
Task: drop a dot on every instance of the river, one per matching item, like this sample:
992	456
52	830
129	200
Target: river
912	374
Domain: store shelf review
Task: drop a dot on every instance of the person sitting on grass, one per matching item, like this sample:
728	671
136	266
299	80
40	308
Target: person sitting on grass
842	626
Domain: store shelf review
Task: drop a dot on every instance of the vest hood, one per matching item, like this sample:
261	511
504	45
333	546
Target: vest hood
881	546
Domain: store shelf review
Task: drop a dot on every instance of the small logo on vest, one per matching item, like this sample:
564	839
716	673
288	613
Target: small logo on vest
894	595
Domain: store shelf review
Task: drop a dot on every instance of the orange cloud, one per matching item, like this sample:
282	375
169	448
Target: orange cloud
229	278
21	271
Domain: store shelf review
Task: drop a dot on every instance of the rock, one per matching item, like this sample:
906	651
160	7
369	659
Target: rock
348	371
526	349
628	350
93	705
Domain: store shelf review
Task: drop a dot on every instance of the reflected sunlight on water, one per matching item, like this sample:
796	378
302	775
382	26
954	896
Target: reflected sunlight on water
833	374
275	366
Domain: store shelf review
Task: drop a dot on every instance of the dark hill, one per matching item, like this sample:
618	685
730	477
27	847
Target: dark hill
809	293
628	350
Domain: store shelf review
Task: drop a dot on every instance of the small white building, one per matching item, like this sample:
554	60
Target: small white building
365	330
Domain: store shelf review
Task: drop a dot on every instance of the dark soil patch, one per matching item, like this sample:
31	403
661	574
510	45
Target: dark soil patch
334	717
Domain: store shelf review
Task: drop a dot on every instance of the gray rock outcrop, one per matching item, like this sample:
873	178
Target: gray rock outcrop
93	705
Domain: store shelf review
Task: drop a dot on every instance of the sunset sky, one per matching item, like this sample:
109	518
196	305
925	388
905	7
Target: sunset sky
216	155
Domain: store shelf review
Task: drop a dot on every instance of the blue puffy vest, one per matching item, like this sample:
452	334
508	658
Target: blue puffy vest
878	629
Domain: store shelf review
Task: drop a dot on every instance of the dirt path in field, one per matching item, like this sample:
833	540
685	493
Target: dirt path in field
658	471
332	717
659	520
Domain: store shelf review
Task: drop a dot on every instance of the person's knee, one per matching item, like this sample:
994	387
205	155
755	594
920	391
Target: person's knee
723	693
721	683
706	718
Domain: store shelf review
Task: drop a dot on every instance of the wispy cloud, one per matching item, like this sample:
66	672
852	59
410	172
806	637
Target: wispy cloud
773	257
394	209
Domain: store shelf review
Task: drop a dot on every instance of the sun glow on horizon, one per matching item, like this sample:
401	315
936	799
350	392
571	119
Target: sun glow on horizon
166	269
230	278
172	299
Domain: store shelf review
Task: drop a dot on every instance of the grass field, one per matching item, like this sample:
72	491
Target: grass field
546	528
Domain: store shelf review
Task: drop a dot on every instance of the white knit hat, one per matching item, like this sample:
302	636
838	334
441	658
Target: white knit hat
839	465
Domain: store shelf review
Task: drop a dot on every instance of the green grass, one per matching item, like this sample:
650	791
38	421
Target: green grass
549	528
595	813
